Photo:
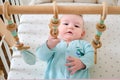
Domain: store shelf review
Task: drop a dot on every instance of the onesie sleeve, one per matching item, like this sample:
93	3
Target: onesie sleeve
44	53
88	58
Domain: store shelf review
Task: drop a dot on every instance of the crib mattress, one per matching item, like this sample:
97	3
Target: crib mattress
33	30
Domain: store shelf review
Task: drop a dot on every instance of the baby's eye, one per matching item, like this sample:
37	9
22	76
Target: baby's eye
77	26
65	23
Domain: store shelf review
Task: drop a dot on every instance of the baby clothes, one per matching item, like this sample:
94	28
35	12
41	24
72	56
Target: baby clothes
56	59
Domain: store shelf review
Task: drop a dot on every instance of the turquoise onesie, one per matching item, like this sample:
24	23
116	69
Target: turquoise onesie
56	59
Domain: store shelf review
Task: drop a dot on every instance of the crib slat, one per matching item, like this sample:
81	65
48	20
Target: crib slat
2	56
7	50
15	17
4	61
3	37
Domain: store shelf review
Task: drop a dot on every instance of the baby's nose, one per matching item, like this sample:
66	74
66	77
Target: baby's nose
71	26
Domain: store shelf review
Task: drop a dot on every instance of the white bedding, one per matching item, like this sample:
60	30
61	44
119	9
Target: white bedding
33	30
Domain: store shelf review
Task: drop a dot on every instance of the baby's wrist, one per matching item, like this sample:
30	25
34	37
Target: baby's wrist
48	44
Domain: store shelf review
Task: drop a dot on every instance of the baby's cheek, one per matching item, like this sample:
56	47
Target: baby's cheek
61	32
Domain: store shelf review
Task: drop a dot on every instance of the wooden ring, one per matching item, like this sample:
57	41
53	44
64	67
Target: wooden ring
101	27
96	45
5	10
54	34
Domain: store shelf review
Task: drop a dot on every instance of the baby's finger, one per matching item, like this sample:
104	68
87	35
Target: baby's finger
72	70
70	59
70	64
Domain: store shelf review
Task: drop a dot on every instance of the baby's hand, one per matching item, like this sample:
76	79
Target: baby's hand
74	64
52	42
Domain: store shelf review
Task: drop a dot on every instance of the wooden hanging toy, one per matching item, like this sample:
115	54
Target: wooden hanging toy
54	23
101	27
28	57
12	27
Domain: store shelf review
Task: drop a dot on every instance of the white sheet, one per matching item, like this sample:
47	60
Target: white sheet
34	30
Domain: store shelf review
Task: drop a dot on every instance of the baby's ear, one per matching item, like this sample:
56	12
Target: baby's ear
83	34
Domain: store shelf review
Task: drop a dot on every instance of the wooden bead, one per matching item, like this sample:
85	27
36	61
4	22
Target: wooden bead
51	25
12	27
16	38
55	21
97	37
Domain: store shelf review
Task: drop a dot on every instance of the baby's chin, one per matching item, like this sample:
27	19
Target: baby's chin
67	39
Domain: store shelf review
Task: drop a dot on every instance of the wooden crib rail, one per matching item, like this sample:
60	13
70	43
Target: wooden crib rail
63	9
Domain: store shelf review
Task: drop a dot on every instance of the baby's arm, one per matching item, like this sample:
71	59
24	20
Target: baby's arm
88	58
45	51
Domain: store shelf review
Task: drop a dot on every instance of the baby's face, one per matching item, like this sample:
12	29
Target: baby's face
71	27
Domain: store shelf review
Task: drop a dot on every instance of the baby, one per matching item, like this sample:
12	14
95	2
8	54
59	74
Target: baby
68	56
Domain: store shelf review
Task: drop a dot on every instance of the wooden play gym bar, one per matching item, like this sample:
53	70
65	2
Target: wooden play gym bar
63	9
6	9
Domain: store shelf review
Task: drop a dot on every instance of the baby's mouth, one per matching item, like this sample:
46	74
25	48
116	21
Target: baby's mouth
69	32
